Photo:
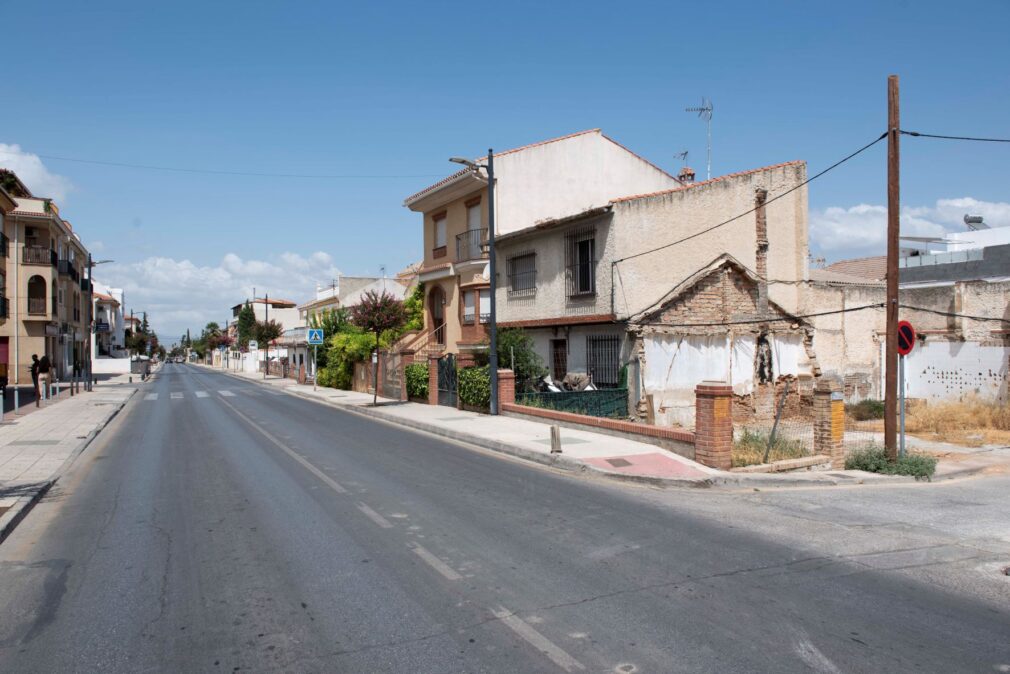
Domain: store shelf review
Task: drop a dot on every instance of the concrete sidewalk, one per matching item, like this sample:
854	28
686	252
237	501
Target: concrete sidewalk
582	451
36	448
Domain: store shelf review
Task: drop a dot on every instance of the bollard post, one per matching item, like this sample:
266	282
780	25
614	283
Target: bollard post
555	440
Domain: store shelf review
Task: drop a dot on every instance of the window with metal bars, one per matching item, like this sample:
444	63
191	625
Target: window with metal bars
580	261
603	359
522	274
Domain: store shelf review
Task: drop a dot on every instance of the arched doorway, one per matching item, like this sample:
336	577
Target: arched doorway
436	308
36	295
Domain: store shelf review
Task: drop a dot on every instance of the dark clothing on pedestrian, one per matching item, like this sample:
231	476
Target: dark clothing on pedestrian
35	373
44	365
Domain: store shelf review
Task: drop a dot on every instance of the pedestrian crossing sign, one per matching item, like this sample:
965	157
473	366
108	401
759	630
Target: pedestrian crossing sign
315	336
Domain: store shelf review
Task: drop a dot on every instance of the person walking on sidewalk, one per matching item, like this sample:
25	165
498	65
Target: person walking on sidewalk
35	377
45	378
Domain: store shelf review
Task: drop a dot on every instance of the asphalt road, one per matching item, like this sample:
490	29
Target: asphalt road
217	526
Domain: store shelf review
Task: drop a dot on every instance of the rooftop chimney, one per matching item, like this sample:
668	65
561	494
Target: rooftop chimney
686	175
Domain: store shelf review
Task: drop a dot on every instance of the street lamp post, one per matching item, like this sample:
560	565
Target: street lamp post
493	355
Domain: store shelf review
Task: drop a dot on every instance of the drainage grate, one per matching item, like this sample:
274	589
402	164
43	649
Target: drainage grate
618	463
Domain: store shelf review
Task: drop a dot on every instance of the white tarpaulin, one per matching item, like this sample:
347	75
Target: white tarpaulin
742	367
787	351
678	362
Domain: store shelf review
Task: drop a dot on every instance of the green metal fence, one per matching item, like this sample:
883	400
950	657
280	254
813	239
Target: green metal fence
608	402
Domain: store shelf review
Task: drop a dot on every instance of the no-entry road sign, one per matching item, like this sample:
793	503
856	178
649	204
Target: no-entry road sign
315	336
906	337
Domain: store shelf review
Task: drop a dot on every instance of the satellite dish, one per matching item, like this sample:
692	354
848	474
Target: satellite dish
486	274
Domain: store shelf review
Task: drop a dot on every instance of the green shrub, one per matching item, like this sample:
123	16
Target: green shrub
865	410
474	386
874	460
344	350
417	380
515	345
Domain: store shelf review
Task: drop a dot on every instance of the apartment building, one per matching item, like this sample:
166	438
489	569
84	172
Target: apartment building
545	181
47	289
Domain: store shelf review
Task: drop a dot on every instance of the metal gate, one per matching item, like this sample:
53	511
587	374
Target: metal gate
447	380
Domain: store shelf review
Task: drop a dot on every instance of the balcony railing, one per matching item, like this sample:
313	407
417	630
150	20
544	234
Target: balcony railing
66	267
471	245
3	244
37	306
38	255
4	309
86	285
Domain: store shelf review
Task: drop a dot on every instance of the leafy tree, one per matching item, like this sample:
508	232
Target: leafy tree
246	326
267	332
413	307
514	343
378	314
344	350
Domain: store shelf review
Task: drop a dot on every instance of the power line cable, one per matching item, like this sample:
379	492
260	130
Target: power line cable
917	134
748	212
878	305
177	169
952	314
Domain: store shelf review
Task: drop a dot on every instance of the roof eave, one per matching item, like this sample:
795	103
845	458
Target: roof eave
450	189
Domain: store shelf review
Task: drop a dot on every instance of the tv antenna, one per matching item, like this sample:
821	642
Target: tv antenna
682	156
705	112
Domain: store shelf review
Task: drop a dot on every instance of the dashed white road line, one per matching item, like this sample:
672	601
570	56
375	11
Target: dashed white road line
227	394
374	516
151	396
434	562
558	656
176	395
329	481
202	394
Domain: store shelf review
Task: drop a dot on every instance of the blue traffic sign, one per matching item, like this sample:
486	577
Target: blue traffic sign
315	335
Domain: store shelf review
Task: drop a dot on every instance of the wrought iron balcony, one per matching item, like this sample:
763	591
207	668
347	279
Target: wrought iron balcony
66	267
4	308
38	255
37	306
471	245
3	244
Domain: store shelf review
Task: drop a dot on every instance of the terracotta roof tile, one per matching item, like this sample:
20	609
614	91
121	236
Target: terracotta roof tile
872	268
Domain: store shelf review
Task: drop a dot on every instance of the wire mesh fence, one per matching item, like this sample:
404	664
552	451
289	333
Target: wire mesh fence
760	442
610	402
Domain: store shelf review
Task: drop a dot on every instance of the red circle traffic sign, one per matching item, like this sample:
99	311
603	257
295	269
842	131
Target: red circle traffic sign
906	337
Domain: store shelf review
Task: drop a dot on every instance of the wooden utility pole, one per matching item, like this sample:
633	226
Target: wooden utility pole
893	231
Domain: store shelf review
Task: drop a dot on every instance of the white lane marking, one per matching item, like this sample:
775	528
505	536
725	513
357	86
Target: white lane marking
434	562
202	394
374	516
537	640
151	396
813	657
176	395
227	394
330	482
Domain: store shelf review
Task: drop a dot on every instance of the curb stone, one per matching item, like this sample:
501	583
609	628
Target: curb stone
13	517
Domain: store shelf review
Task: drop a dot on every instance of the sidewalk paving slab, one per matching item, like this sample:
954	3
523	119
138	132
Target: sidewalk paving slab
37	448
583	451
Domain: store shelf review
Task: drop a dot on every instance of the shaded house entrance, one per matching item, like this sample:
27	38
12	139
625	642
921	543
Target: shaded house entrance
718	325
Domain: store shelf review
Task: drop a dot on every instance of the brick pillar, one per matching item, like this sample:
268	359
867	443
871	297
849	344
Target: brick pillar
432	380
713	424
829	421
506	387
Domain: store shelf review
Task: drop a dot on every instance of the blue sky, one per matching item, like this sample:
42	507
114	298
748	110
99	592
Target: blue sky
393	89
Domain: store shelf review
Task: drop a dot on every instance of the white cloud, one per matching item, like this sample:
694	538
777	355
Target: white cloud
33	173
839	232
178	294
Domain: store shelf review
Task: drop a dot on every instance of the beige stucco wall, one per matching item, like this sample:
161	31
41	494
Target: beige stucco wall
455	213
561	178
644	224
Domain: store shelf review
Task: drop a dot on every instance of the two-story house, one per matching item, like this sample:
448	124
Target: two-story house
592	287
545	181
46	273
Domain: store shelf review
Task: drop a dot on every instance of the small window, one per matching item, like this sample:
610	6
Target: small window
473	217
440	232
580	253
485	305
468	307
603	359
522	274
